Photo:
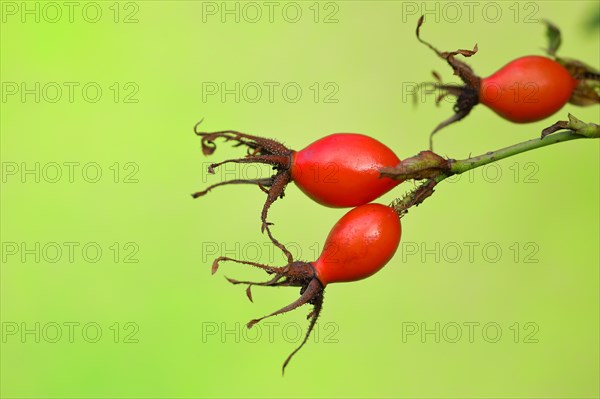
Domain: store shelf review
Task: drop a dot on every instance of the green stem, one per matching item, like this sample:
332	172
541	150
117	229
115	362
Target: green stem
434	169
460	166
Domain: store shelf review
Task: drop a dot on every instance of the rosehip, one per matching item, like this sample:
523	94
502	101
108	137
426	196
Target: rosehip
360	244
339	170
527	89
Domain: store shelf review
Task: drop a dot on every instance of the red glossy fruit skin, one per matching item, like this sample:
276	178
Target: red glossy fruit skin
359	244
342	169
527	89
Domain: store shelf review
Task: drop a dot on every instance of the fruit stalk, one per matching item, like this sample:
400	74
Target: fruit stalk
460	166
434	169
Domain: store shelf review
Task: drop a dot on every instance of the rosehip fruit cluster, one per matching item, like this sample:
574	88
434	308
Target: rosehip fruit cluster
360	243
351	170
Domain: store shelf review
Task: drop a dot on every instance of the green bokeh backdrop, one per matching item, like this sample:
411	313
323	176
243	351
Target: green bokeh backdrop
367	57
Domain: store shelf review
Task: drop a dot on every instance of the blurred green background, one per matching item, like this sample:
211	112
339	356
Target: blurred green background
133	310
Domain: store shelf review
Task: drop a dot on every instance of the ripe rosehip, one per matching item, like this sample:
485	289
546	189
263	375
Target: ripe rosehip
342	169
339	170
359	245
527	89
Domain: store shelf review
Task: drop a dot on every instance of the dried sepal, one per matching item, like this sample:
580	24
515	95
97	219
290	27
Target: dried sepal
467	96
260	150
295	274
460	68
